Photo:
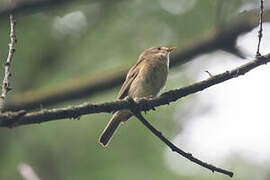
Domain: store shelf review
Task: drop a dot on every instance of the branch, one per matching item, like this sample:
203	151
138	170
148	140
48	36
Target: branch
142	105
260	30
5	84
224	39
174	148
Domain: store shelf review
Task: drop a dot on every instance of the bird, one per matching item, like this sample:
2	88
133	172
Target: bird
145	79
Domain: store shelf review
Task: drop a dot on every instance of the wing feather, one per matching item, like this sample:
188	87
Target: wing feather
132	74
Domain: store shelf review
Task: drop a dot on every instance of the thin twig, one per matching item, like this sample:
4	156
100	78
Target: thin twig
260	34
142	105
6	83
178	150
210	75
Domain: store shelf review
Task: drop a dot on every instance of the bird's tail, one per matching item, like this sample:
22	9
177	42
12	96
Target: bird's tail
112	126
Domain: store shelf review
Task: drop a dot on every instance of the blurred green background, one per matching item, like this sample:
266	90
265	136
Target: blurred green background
60	43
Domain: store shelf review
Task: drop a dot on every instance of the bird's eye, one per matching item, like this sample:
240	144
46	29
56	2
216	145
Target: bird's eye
159	48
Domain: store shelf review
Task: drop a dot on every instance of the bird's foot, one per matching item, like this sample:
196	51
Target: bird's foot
146	105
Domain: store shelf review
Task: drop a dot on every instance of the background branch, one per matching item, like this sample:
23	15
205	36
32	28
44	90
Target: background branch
20	6
224	39
32	6
6	83
142	105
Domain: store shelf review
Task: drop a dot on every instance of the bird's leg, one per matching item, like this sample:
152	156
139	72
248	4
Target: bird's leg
143	102
146	104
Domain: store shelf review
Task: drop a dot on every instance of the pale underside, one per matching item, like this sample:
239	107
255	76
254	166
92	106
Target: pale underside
146	79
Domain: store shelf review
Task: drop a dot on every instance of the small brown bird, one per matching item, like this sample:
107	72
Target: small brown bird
145	79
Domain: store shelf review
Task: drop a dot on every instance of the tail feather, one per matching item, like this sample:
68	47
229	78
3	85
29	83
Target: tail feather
117	118
109	131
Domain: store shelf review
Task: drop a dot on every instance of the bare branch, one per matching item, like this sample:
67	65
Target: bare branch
6	83
12	117
260	30
142	105
178	150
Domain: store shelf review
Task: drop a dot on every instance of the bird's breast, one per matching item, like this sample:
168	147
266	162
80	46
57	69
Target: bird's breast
150	80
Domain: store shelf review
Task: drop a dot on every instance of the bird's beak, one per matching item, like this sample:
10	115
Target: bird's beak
170	49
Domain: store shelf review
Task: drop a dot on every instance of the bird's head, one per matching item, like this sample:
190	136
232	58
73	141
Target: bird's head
158	51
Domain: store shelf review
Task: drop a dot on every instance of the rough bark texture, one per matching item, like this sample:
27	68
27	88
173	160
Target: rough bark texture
141	105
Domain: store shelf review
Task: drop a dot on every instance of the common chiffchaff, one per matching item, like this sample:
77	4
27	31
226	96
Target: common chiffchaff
145	79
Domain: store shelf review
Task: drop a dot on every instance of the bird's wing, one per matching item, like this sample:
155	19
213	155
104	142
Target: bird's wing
132	74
